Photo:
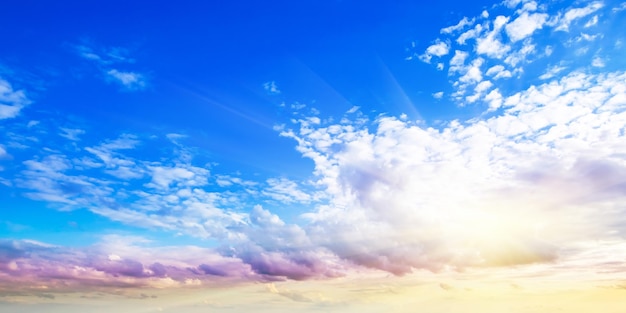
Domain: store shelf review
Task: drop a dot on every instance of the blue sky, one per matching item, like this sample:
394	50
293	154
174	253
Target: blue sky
297	144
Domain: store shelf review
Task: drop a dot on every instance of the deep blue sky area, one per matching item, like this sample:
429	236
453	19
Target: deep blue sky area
206	62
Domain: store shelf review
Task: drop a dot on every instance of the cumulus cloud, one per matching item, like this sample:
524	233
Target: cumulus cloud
438	49
498	71
490	44
525	25
390	182
114	262
508	44
528	180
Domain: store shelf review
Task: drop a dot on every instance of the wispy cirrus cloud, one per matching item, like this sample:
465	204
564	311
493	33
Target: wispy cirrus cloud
111	61
130	80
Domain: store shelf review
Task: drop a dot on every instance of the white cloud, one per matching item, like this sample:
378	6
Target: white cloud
11	101
529	6
495	99
353	109
473	73
438	95
512	3
577	13
525	25
470	34
552	72
164	177
71	133
498	71
298	106
130	80
285	191
457	63
621	7
271	87
393	179
3	153
592	22
103	56
598	62
490	44
439	49
483	86
459	26
520	55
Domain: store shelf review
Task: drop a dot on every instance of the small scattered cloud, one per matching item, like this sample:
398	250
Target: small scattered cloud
438	95
598	62
271	88
129	80
11	101
438	49
353	109
552	72
72	134
459	26
285	191
592	22
109	60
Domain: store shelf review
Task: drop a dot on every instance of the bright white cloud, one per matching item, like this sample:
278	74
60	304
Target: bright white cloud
495	99
457	63
439	49
353	109
459	26
498	71
573	14
470	34
473	72
525	25
520	55
490	43
393	180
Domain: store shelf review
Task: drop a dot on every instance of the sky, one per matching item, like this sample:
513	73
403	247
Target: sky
306	156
